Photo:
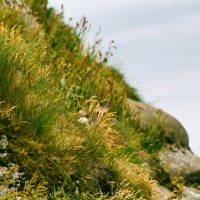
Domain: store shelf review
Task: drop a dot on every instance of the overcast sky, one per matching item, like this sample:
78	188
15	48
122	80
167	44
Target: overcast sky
158	50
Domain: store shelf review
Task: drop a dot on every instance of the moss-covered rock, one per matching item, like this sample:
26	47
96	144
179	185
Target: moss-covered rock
149	117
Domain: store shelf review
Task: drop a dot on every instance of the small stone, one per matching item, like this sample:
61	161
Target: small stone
83	120
76	192
82	113
3	142
3	172
3	191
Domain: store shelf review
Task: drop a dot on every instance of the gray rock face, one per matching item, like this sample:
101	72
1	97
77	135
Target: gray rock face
164	193
189	193
174	133
181	162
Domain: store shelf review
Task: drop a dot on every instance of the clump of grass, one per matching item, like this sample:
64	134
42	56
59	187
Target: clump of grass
137	182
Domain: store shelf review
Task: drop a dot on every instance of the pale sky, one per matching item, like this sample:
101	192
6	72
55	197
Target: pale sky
158	50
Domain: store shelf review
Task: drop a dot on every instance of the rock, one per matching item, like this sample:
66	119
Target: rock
3	146
164	193
83	120
3	172
181	162
83	117
174	133
188	193
3	142
82	113
3	191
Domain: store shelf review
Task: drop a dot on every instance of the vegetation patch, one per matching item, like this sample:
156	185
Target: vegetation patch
46	78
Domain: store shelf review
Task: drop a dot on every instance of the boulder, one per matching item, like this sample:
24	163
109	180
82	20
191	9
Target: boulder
190	193
174	132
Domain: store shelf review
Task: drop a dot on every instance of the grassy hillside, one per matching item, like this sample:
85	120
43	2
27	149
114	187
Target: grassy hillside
46	79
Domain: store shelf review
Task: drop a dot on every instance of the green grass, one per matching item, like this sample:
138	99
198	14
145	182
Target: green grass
62	158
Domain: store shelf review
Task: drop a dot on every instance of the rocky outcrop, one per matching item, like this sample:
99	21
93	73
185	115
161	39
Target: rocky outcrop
176	158
181	162
174	133
188	193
